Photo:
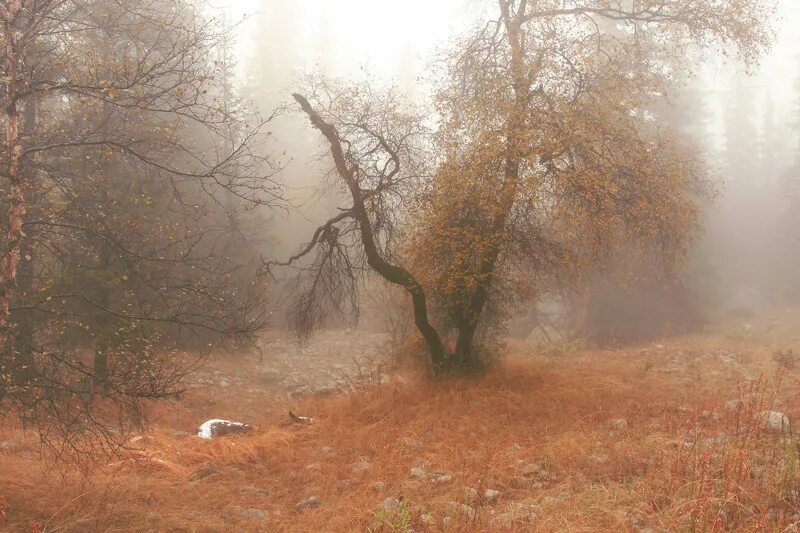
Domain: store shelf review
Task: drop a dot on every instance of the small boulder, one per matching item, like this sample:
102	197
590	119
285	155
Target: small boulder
362	464
440	478
205	470
491	495
418	472
312	502
251	514
732	405
775	421
458	508
389	505
217	427
618	424
412	444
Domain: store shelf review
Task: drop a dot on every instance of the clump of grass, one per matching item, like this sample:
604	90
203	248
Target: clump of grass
731	473
537	430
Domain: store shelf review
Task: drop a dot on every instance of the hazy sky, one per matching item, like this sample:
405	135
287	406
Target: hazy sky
376	34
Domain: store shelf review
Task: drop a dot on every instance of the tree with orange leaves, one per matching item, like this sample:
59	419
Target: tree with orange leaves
546	162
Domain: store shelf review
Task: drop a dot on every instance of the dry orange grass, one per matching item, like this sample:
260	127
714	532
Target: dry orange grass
541	431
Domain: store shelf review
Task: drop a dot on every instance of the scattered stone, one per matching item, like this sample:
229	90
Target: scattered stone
362	464
418	472
534	470
378	486
428	519
413	444
300	419
326	389
775	421
454	508
346	483
491	495
411	485
714	441
440	478
618	424
389	505
253	490
205	470
732	405
216	427
250	514
470	495
298	390
312	502
516	516
327	451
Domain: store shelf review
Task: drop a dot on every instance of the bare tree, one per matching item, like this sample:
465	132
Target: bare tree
371	141
128	166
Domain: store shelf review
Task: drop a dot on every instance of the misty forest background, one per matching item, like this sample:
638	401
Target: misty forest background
167	191
746	122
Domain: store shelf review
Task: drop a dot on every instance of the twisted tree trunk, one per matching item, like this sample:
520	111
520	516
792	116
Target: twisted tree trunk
392	273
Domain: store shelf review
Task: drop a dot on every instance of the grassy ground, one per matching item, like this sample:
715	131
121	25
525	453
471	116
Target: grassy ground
649	438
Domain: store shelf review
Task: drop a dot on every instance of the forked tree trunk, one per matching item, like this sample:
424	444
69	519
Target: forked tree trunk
514	130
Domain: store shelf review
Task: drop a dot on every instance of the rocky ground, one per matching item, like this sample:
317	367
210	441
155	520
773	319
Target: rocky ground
329	362
695	433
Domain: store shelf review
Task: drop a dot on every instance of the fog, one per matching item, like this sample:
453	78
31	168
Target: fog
744	124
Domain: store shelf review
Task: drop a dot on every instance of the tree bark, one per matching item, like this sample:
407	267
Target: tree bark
468	324
22	320
16	190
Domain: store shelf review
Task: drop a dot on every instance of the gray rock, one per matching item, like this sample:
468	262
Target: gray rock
413	444
440	478
252	514
326	451
470	495
775	421
207	469
533	470
378	486
491	495
312	502
458	508
418	472
253	490
732	405
428	519
362	464
389	505
411	485
342	484
216	427
516	516
618	424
